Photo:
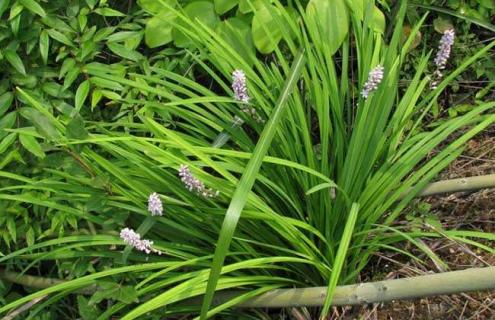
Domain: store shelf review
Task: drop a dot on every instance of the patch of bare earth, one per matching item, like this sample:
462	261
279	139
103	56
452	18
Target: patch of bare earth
473	211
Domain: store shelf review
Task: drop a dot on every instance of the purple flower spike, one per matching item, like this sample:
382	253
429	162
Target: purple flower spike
132	238
443	55
193	184
374	78
444	49
239	86
155	206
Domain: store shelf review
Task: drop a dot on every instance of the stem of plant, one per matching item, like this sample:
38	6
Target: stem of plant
473	279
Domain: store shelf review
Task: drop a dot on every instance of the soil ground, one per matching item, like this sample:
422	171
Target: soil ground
462	211
467	211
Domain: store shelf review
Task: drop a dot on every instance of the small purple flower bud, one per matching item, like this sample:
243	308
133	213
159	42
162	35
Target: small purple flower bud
374	78
132	238
193	184
155	206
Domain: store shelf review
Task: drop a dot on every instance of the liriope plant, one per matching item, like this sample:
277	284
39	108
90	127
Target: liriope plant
283	172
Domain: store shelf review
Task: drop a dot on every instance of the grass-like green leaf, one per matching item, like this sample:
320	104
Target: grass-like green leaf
246	183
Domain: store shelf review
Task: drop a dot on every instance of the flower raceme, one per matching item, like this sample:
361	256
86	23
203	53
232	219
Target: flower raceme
132	238
155	206
374	78
193	184
443	54
444	49
239	86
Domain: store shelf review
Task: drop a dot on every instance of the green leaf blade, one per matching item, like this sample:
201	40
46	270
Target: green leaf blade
245	184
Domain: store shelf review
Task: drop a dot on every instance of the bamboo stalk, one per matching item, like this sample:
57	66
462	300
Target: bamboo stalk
474	279
452	282
14	313
38	282
461	184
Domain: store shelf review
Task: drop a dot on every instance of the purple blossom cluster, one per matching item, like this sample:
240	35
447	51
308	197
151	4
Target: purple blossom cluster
374	78
132	238
443	55
239	86
155	206
444	49
193	184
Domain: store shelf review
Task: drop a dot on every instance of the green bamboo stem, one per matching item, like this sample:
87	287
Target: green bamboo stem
474	279
37	282
457	185
453	282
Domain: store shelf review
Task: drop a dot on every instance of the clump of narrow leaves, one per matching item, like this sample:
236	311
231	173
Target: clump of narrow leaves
304	199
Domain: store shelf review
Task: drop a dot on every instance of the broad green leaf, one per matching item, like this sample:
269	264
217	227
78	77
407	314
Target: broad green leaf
7	141
34	7
200	11
265	29
246	182
11	227
30	144
110	95
463	16
158	29
15	10
75	128
70	77
246	6
114	291
7	122
156	6
95	98
358	8
86	311
60	37
4	4
42	123
123	36
44	46
237	34
56	23
15	61
81	94
30	237
442	24
124	52
489	4
6	100
27	81
222	6
378	23
109	12
127	294
67	65
331	19
53	89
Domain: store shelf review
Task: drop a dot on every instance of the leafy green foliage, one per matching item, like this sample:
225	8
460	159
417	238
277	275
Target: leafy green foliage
45	49
264	19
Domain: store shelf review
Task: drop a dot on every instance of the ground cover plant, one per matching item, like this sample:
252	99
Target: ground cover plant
285	171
